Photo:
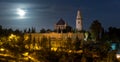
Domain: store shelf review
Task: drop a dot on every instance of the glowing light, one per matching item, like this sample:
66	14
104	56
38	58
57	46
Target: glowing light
26	37
79	51
86	36
2	49
13	37
70	51
25	54
21	12
113	46
54	49
118	56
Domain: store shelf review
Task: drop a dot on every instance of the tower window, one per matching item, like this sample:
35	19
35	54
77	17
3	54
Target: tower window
78	22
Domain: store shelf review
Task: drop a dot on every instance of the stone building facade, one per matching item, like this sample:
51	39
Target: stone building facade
54	39
57	40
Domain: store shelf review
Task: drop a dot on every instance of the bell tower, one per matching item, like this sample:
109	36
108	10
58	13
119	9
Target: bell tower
78	21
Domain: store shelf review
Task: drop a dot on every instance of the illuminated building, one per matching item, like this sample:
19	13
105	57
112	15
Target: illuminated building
60	25
55	39
79	21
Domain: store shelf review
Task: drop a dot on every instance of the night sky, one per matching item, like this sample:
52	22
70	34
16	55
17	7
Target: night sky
45	13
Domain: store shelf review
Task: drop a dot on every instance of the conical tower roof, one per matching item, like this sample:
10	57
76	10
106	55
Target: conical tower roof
78	14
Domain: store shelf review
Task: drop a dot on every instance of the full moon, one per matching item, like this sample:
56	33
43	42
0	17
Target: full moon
21	12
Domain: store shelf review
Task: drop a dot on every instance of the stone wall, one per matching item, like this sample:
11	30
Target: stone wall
56	39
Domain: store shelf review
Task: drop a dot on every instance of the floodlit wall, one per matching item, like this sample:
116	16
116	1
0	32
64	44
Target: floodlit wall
56	39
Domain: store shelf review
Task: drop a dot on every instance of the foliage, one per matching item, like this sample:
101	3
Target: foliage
77	43
42	30
69	43
114	34
96	30
104	49
44	41
48	30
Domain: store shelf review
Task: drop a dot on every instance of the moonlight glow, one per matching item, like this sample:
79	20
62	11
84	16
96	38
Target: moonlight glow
20	12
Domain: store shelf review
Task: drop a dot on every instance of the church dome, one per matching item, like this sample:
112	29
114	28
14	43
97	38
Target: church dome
61	22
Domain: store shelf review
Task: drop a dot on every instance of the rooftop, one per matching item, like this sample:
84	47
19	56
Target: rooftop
61	22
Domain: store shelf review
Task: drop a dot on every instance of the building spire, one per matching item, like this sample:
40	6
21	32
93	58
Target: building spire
79	21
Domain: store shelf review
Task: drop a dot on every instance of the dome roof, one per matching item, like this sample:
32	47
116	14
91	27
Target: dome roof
61	22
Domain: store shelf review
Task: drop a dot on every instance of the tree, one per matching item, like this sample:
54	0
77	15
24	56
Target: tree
114	34
33	30
49	42
29	30
17	32
42	30
33	43
29	42
0	27
25	30
96	30
48	30
0	30
104	48
69	43
44	42
77	43
68	29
